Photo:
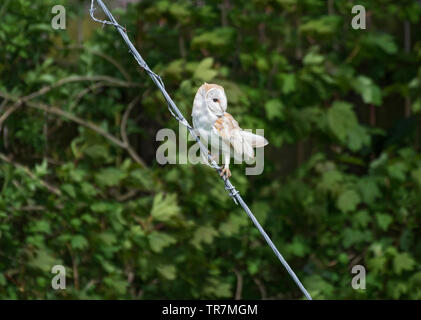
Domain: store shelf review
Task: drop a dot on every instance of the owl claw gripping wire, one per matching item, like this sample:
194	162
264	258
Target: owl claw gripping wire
226	172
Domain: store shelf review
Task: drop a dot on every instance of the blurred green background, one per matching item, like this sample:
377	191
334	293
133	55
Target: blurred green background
80	185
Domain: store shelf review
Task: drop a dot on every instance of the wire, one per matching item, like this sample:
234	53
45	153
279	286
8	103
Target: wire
175	112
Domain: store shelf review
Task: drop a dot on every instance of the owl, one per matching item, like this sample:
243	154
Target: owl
219	129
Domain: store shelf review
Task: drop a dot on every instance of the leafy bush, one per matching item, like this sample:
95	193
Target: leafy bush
80	185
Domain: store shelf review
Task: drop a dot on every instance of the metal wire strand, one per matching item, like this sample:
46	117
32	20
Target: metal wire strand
175	112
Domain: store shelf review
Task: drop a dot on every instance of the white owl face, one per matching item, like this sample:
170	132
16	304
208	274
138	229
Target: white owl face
216	101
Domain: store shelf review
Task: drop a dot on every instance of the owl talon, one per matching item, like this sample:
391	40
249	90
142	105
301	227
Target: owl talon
226	172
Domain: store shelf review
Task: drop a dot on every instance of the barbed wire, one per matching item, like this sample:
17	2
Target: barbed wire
175	112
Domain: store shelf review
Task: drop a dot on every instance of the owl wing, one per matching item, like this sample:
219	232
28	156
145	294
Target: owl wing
230	132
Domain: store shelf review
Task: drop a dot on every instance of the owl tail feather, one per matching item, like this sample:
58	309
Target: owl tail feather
254	140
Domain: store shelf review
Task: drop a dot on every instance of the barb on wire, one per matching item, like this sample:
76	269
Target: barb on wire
233	192
104	22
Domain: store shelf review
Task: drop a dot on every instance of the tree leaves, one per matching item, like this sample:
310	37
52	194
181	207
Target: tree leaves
78	242
218	38
340	191
416	175
348	201
159	240
203	234
164	208
352	237
43	260
384	220
403	262
369	189
344	125
109	177
232	226
341	119
274	109
369	91
218	289
204	71
167	271
324	26
381	41
298	247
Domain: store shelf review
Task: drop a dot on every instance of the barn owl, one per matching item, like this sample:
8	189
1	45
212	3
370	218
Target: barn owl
219	129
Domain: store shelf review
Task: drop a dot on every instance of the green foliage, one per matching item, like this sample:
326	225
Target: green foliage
342	175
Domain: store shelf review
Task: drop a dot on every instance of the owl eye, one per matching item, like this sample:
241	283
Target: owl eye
215	100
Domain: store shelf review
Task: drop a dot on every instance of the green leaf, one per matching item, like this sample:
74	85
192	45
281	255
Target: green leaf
2	280
144	178
361	218
326	25
79	242
218	38
41	169
262	64
88	189
358	138
233	225
288	83
369	189
69	190
330	180
397	171
116	284
298	247
348	201
369	91
97	152
382	41
313	58
48	78
274	109
416	175
377	264
203	234
341	118
253	266
397	289
384	220
167	271
109	177
44	261
159	240
107	238
164	208
416	106
204	70
101	207
403	262
353	237
42	226
261	211
218	288
318	287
